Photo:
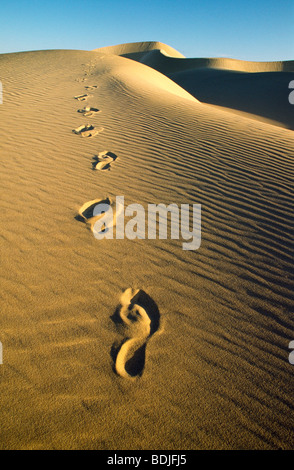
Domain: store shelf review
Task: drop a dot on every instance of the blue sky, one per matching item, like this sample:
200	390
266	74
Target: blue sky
241	29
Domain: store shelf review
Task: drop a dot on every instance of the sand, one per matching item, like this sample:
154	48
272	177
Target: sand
138	344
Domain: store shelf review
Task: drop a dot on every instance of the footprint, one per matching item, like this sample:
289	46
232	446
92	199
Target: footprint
103	160
92	211
87	130
138	316
82	97
91	87
88	111
86	212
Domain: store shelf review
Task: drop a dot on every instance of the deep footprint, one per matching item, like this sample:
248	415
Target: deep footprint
91	87
82	97
86	212
88	111
139	316
92	212
87	130
103	160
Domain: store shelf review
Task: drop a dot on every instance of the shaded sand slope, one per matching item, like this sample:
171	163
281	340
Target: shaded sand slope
166	64
215	370
257	89
263	95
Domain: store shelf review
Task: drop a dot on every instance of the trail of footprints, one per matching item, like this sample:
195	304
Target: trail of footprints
137	316
87	130
103	160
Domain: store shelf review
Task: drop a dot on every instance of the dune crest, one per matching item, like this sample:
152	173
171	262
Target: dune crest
139	49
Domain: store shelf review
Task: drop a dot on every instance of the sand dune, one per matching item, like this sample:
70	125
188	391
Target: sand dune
257	90
138	344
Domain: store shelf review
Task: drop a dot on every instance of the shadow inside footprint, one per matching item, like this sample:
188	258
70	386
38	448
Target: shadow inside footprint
135	365
145	301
